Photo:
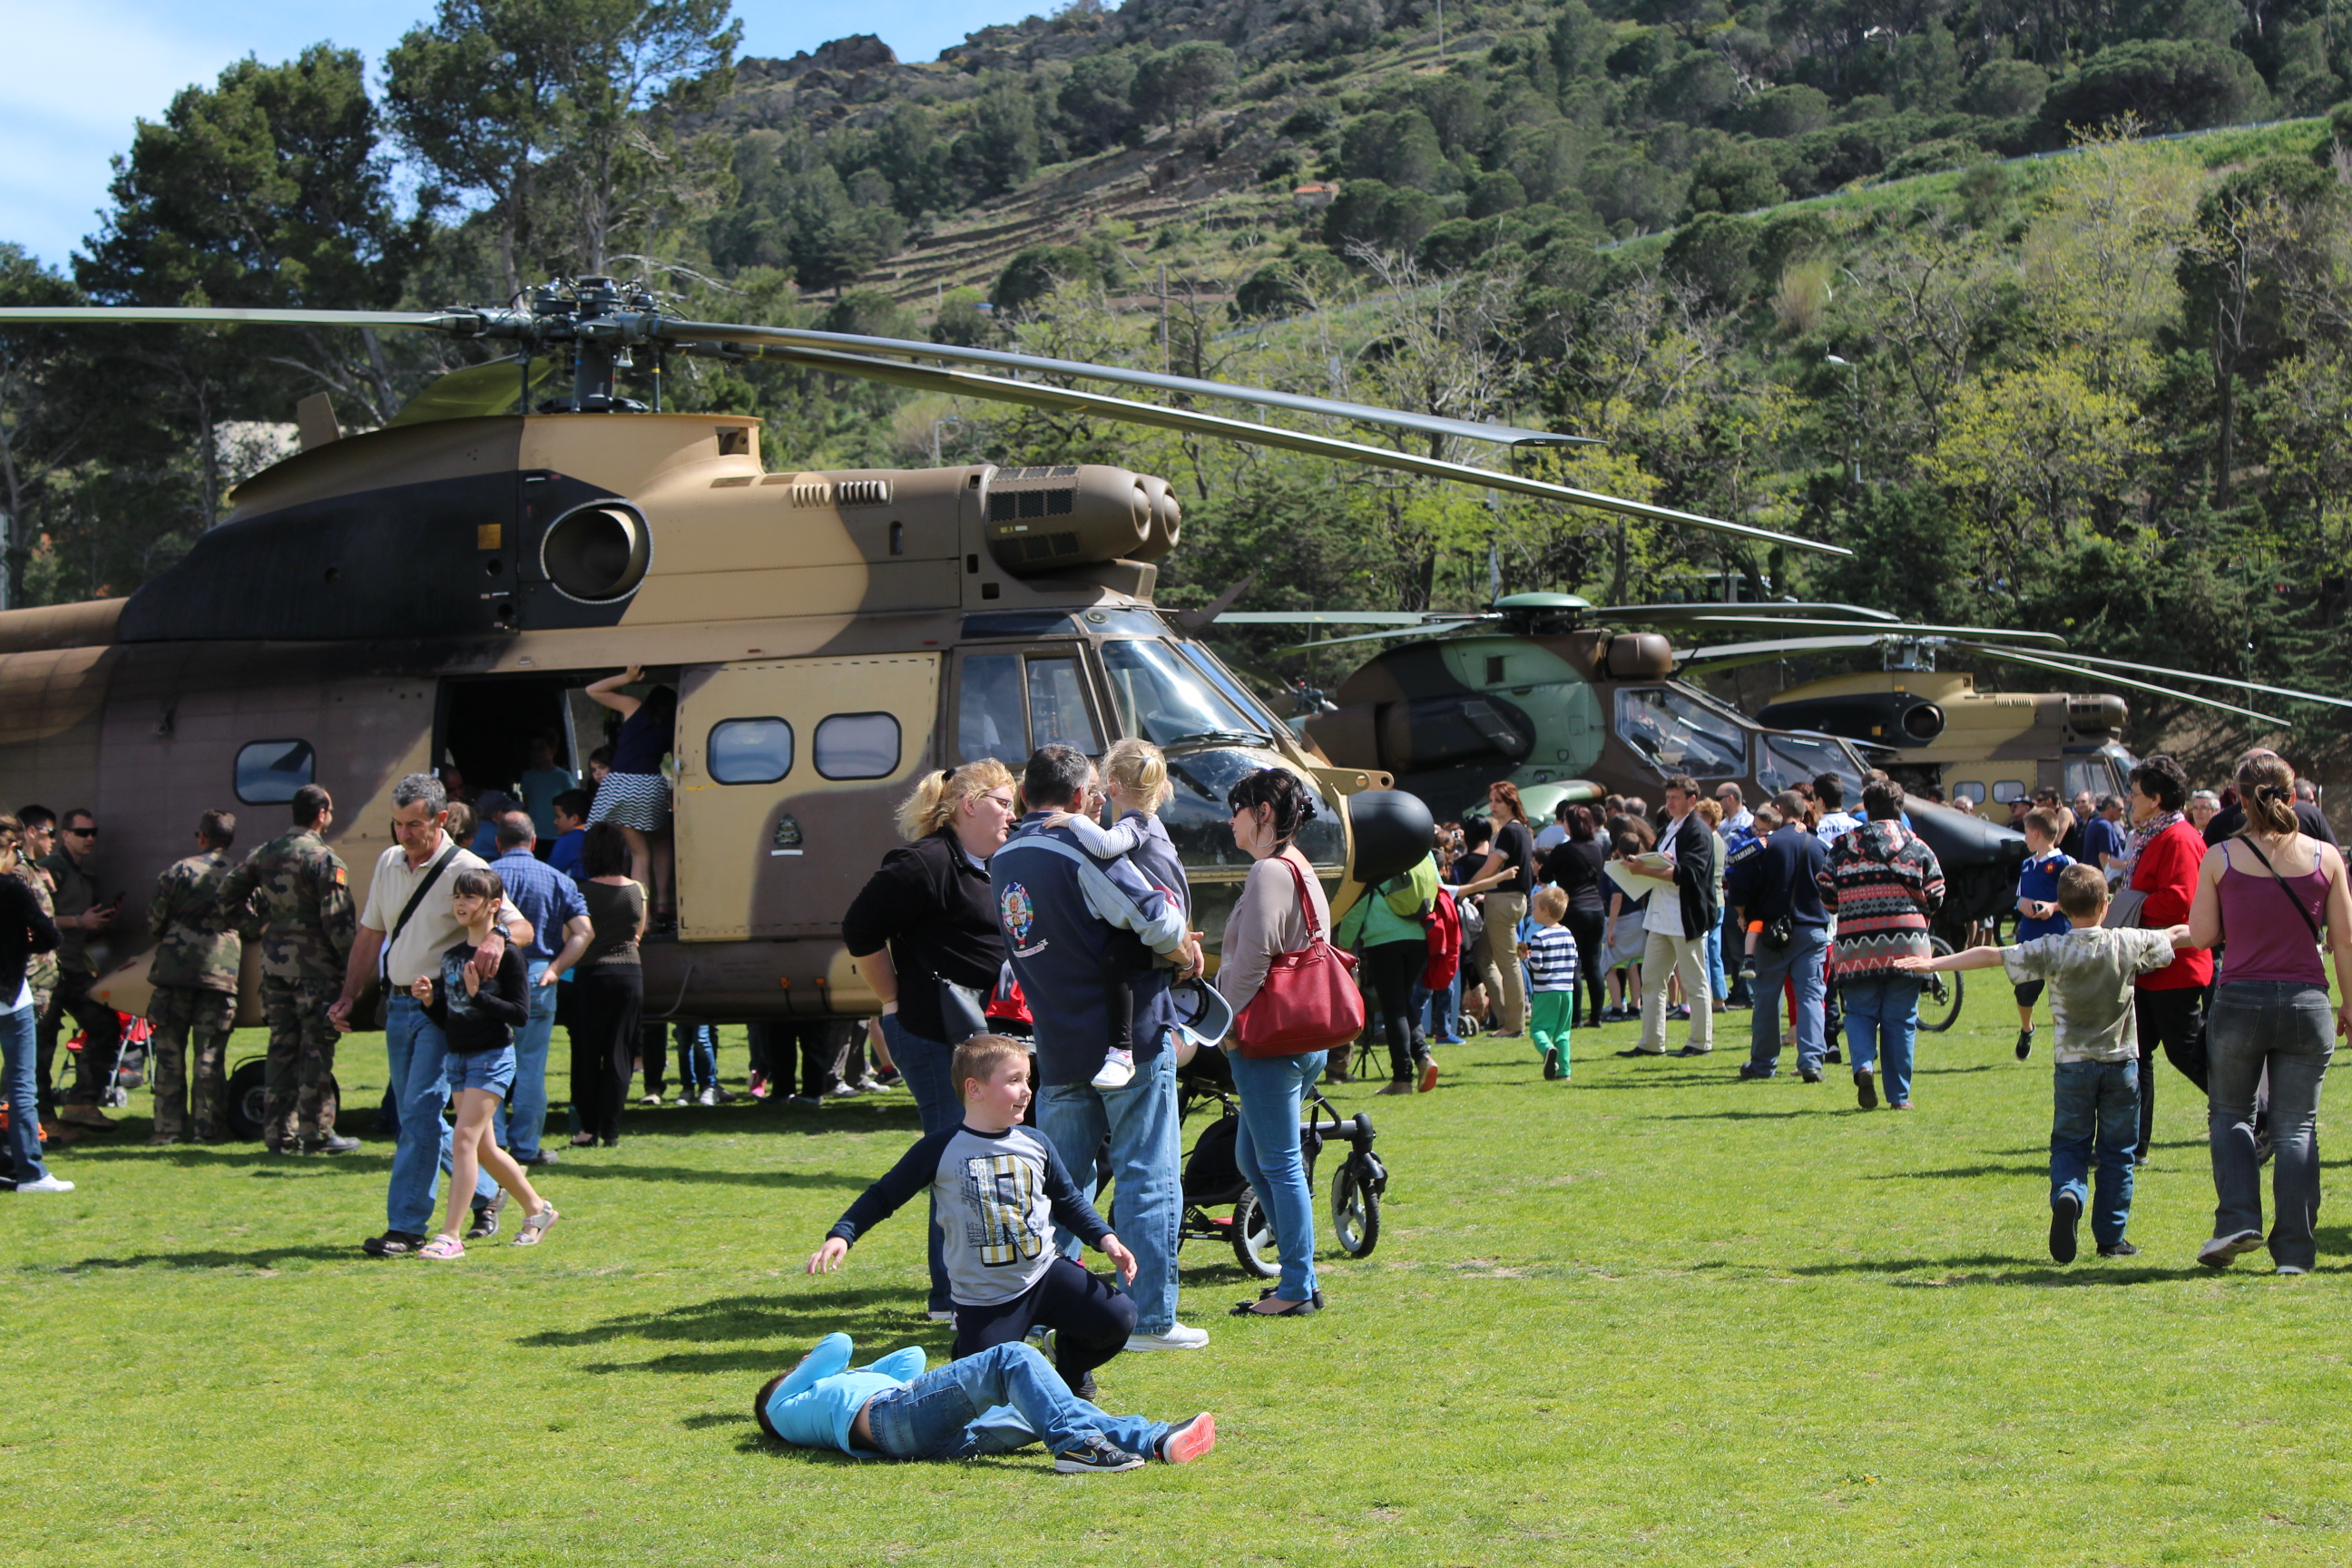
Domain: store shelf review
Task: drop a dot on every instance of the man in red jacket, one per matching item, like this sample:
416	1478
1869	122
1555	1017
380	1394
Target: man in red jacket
2164	852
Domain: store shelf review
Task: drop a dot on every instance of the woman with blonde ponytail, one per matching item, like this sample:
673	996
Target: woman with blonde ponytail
2270	891
925	936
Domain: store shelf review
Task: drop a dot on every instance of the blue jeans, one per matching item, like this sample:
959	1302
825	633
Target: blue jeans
1882	1020
1004	1398
1801	961
923	1063
417	1049
1271	1090
1146	1161
20	1051
519	1124
697	1057
2097	1109
1715	962
2291	1029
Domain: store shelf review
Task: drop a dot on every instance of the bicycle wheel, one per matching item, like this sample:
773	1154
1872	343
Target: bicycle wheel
1253	1242
1939	998
1355	1212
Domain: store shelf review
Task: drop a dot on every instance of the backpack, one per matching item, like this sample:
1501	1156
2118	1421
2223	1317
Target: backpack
1443	923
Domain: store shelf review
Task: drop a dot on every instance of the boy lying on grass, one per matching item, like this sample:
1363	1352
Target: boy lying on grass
2090	971
999	1190
1001	1400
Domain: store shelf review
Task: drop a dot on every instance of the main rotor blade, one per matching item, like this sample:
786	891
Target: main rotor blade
1344	617
2097	677
1730	655
190	315
1428	424
2214	679
1763	610
1253	433
1899	631
1381	637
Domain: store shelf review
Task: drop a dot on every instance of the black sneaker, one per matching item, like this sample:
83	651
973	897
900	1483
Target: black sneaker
1811	1075
2117	1250
393	1244
1865	1089
2024	1043
543	1157
1086	1388
1757	1072
331	1143
1096	1457
1551	1062
486	1216
1834	1056
2065	1214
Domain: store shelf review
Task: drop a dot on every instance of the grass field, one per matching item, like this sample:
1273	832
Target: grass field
1652	1315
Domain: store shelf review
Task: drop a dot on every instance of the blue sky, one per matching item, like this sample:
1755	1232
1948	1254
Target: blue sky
83	71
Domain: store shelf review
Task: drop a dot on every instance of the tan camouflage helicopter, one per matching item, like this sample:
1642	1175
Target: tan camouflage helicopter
435	592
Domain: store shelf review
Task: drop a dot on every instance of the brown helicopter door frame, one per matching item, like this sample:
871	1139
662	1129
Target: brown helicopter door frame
789	773
1046	689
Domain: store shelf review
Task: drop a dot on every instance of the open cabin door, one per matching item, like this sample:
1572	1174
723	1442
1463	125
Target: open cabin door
789	771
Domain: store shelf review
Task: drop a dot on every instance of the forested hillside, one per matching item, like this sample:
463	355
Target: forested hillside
1796	263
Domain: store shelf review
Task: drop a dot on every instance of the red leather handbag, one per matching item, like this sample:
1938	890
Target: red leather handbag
1308	1002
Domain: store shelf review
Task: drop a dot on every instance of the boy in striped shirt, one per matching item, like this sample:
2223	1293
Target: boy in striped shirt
1550	956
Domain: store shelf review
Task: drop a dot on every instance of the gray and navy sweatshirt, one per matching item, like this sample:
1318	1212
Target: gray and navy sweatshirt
999	1195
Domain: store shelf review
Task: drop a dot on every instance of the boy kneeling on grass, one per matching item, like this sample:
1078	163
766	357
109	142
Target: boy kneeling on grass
1003	1399
999	1191
2090	970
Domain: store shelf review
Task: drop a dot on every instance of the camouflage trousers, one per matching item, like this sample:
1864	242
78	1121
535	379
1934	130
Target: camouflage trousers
192	1028
299	1100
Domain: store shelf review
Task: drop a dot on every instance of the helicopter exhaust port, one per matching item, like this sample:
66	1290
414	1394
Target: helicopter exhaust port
597	553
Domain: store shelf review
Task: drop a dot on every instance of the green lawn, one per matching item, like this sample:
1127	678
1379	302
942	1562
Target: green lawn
1654	1315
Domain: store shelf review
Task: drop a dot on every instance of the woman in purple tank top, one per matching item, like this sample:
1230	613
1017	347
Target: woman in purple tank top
2270	891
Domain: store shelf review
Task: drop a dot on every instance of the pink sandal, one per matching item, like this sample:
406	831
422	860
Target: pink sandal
442	1246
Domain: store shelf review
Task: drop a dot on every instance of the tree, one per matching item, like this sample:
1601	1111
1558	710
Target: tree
1000	151
492	92
1184	80
2167	84
1097	100
41	430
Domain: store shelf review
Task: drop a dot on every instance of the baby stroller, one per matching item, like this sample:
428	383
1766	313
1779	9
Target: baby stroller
129	1069
1213	1180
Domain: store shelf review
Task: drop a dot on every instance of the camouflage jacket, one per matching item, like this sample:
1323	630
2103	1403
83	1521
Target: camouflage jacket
194	944
294	894
41	969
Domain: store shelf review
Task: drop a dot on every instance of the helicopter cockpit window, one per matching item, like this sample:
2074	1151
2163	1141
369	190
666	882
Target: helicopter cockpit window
1678	735
1163	699
1790	759
1058	706
857	746
749	750
990	721
269	772
1222	679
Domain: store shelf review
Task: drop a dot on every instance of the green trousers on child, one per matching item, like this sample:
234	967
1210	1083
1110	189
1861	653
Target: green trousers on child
1550	1015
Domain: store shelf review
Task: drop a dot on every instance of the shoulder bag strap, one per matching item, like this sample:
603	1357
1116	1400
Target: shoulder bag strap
2308	923
408	910
1305	904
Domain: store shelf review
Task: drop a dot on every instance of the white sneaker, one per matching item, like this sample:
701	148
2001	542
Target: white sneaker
46	1184
707	1097
1118	1070
685	1099
1177	1337
650	1100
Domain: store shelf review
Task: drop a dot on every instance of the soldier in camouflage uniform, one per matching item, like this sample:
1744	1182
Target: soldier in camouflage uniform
294	894
40	839
194	975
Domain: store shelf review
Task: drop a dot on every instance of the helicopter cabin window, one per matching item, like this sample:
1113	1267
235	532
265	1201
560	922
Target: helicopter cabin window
269	772
1791	760
2007	790
1679	735
857	746
749	750
1058	706
1162	700
1970	791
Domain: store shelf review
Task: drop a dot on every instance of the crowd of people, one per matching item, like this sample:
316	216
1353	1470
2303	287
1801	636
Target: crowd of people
1011	899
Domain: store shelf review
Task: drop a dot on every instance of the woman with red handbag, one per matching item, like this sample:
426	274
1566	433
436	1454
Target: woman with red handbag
1294	998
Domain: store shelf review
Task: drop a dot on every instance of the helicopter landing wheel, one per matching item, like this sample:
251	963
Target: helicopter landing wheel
1939	997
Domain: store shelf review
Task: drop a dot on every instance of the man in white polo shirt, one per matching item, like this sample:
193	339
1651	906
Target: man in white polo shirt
408	903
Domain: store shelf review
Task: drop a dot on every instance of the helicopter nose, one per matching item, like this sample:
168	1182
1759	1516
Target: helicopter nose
1390	832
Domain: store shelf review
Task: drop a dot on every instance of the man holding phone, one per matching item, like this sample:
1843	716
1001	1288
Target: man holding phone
79	915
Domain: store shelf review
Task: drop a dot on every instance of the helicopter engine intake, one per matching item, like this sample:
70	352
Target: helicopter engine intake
1048	520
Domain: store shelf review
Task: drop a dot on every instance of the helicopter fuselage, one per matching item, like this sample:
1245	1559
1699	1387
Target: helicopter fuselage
435	595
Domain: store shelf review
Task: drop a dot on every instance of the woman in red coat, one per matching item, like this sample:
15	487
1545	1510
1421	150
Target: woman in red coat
2165	851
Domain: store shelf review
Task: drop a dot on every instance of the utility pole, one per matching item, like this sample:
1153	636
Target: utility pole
1440	32
1163	317
1854	424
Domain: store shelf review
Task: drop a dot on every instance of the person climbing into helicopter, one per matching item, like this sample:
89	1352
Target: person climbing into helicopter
634	795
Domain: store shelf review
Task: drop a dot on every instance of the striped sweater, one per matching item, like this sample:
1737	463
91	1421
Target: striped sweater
1883	883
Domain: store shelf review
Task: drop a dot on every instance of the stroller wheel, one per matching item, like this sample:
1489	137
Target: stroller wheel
1254	1239
1355	1211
